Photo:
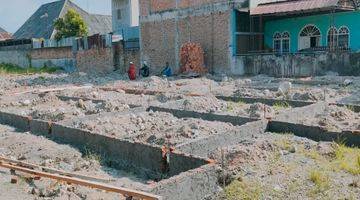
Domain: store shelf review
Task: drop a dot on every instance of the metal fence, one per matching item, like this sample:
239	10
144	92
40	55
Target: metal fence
48	43
94	41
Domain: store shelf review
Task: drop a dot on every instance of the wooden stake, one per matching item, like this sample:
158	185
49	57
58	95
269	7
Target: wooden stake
91	184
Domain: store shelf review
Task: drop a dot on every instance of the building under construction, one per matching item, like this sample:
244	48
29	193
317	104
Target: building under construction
166	25
231	31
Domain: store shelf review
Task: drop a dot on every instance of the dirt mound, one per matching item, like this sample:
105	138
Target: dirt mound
307	96
339	118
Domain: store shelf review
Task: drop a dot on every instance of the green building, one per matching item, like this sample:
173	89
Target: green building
309	25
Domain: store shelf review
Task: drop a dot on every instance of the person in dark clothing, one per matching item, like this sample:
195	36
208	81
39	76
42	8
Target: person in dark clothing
145	70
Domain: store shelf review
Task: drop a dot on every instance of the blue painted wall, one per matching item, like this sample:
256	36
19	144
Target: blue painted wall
295	25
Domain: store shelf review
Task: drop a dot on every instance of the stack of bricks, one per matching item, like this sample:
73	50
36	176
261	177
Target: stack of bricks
192	58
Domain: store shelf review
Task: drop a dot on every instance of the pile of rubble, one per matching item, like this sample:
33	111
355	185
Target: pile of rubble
192	58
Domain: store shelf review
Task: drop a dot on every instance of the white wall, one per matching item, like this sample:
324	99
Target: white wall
130	14
125	21
135	12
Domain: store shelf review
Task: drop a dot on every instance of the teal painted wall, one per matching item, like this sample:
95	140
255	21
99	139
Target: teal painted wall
295	25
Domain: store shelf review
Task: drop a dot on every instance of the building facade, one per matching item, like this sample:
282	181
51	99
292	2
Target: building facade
165	25
125	18
316	25
324	30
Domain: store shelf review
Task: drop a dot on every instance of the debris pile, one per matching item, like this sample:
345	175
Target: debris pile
259	110
192	59
339	118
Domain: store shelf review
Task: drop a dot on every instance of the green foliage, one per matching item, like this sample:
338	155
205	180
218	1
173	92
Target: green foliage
72	25
14	69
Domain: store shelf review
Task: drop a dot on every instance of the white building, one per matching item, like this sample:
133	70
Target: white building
125	14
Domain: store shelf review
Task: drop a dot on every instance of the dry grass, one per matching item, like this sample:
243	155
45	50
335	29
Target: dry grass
241	190
281	105
232	105
347	159
321	181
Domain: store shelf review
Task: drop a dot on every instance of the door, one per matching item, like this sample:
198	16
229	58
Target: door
313	42
304	43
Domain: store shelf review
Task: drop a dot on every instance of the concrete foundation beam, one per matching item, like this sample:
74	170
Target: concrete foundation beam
205	146
235	120
269	102
40	127
20	122
315	133
194	184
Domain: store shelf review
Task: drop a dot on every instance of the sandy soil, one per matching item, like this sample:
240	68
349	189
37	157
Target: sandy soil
152	127
288	167
41	151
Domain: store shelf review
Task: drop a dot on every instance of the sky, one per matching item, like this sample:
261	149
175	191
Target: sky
14	13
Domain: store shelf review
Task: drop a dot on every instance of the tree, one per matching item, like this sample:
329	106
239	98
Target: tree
72	25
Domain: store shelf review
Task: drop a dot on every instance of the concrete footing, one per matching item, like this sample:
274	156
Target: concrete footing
187	172
205	146
269	102
235	120
315	133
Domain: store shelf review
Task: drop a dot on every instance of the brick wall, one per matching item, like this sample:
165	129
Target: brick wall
123	57
210	30
95	60
51	53
153	6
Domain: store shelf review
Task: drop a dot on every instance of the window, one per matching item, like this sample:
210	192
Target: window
332	38
343	37
310	31
119	14
281	42
277	42
285	42
310	37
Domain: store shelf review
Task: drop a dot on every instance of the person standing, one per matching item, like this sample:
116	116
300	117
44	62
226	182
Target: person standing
132	71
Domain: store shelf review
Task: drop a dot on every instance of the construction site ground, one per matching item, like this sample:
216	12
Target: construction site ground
253	157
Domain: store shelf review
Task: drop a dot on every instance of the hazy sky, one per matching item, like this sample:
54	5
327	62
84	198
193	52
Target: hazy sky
13	13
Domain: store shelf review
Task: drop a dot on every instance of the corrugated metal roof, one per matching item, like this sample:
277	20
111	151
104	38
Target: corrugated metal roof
293	6
41	23
4	35
97	24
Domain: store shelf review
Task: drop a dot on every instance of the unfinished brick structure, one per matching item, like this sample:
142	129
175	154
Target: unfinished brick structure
166	24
